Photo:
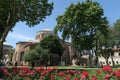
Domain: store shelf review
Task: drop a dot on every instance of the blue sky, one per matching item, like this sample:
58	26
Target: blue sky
23	33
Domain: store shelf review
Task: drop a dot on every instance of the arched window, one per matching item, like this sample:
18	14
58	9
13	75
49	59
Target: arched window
21	56
119	54
109	62
103	62
117	62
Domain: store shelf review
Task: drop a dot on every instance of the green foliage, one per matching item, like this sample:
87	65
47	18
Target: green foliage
53	44
10	55
112	37
117	25
37	54
116	33
30	11
81	22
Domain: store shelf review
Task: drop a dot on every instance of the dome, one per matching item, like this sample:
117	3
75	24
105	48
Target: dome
34	41
6	43
45	31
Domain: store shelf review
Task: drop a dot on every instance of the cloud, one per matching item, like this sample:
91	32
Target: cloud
19	37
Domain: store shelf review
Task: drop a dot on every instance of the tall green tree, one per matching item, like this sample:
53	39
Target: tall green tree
30	11
103	40
37	54
116	27
53	44
81	22
107	42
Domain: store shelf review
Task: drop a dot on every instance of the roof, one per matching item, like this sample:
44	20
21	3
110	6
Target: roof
22	42
6	43
45	30
116	49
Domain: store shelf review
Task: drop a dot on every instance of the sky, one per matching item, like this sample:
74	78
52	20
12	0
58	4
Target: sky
21	32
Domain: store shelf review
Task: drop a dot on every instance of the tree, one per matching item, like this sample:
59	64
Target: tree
107	53
111	52
80	23
30	11
116	27
101	39
10	55
37	54
53	44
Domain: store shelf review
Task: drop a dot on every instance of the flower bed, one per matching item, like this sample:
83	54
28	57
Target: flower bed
40	73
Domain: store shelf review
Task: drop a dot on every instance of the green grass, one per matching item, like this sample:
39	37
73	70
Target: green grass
73	67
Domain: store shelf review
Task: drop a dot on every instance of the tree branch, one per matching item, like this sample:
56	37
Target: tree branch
8	19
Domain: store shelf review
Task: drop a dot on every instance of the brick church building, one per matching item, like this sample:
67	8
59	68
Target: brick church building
23	46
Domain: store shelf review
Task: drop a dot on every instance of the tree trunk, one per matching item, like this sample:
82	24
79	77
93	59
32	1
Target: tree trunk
1	50
2	39
107	61
59	60
112	61
96	52
96	61
90	60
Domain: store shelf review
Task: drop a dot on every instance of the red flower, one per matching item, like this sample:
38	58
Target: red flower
75	78
39	69
15	70
31	72
67	78
85	73
118	69
49	69
98	71
55	69
106	68
25	69
69	71
44	72
117	74
52	77
62	74
82	77
94	78
107	76
78	72
4	69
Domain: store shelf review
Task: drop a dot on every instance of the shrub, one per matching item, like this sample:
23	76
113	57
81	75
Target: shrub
40	73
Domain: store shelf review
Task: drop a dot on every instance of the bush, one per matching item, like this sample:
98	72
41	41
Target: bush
40	73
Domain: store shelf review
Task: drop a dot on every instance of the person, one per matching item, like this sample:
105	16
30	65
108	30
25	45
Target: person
33	64
1	63
1	72
15	63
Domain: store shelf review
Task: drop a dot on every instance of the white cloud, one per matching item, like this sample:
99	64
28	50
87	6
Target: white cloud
19	37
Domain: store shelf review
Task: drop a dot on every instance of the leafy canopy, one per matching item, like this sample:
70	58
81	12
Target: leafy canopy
113	37
53	44
116	33
37	54
32	12
80	23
